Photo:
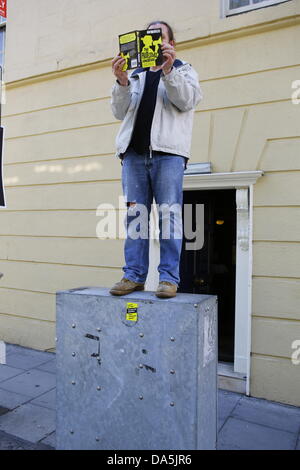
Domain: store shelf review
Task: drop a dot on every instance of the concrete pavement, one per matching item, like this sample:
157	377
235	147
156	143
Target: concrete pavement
27	410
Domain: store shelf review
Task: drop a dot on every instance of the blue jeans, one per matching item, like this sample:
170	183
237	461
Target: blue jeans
145	177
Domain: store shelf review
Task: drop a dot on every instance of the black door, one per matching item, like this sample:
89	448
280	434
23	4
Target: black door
210	269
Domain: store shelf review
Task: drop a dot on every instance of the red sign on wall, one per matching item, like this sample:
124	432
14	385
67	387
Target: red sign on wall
3	8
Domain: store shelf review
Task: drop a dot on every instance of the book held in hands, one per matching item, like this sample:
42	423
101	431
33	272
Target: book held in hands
141	48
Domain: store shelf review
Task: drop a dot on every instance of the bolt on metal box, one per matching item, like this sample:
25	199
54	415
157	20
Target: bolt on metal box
135	372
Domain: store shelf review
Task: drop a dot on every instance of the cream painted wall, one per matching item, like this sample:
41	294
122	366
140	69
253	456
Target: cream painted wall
64	33
47	36
60	164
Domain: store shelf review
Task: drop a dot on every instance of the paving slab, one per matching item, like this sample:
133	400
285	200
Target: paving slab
50	440
10	442
32	383
6	372
13	348
25	361
11	399
221	423
29	422
49	366
48	400
3	410
227	401
268	413
238	434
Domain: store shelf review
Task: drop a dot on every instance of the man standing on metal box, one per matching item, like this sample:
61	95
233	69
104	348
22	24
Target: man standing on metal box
156	106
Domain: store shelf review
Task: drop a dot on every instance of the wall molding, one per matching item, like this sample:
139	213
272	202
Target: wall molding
238	179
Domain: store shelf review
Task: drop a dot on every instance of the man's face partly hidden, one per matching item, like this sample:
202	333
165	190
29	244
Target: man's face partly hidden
165	33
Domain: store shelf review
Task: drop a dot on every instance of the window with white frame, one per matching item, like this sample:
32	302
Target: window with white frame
233	7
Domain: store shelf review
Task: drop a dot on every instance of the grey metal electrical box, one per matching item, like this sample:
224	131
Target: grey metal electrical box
135	372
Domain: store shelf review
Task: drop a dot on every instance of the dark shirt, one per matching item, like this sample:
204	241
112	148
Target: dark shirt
140	140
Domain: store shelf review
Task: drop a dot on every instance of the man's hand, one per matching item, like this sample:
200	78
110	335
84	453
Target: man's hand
117	65
170	56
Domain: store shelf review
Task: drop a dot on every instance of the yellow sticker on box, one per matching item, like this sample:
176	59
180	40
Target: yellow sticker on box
131	311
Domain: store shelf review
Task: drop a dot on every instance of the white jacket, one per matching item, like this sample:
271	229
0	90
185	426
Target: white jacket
178	94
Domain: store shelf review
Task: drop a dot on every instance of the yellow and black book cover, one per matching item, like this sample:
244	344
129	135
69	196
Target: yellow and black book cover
141	48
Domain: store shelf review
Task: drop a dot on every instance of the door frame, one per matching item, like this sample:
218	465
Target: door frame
242	182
